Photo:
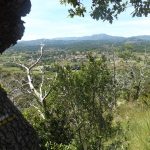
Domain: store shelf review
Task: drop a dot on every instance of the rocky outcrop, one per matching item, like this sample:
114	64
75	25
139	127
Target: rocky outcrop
11	25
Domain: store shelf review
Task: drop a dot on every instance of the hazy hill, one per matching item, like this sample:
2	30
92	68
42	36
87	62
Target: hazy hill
101	37
140	37
85	42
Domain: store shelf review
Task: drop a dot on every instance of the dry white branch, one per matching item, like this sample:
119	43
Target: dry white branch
37	61
39	94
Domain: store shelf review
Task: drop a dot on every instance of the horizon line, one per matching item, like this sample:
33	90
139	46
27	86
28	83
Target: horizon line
57	38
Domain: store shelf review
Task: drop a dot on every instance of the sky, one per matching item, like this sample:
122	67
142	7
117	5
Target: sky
48	19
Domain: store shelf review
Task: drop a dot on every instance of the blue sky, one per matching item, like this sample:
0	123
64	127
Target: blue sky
49	19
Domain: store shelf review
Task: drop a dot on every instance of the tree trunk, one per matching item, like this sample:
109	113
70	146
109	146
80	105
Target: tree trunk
15	132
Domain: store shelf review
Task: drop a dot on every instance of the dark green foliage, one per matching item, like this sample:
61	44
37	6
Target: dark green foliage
53	130
84	108
87	100
109	9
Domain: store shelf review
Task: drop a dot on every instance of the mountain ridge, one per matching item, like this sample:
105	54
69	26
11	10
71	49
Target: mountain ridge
92	38
85	42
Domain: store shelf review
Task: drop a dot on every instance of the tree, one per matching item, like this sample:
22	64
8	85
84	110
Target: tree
39	93
87	99
15	132
109	9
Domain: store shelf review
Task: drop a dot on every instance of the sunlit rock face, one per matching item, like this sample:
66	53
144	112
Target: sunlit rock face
11	25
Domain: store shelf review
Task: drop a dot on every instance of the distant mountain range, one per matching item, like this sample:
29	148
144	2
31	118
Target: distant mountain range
95	37
67	41
101	37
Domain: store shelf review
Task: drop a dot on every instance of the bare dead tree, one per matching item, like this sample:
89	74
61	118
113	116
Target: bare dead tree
40	93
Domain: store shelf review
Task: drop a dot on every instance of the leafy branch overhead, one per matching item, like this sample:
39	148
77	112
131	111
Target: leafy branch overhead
108	10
